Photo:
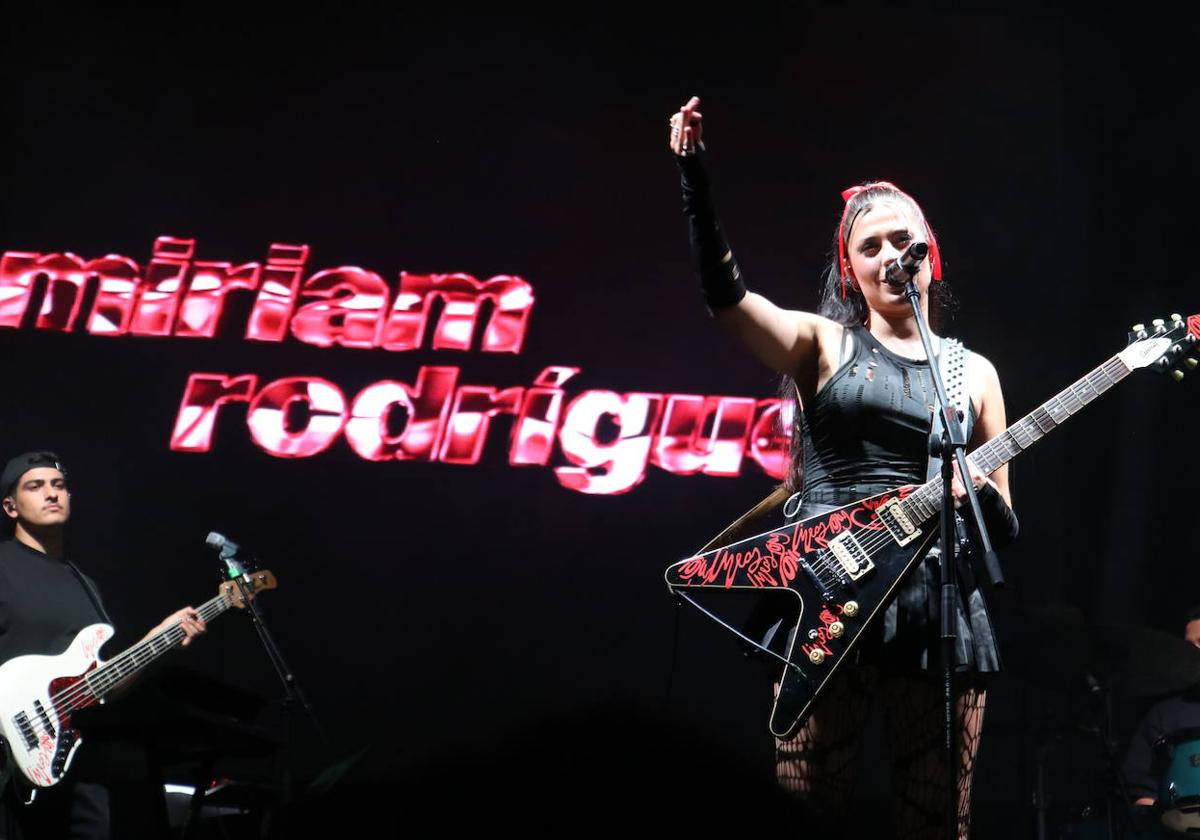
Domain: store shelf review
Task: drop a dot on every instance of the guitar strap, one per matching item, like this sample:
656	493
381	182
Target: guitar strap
747	525
952	362
92	594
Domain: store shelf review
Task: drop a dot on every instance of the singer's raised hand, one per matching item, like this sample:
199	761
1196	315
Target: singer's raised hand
686	128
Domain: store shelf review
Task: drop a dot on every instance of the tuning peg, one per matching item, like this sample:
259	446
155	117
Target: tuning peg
1137	328
1191	362
1160	326
1177	375
1176	317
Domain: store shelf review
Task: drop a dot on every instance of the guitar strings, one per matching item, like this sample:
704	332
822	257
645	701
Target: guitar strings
877	539
82	688
173	634
1004	446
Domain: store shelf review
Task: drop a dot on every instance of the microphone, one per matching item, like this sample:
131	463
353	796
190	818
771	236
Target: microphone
227	547
228	551
904	269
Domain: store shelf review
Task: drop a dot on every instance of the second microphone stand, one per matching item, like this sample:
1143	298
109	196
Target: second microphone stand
293	694
953	451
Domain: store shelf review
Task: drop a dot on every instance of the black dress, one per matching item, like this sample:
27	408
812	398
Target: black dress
866	431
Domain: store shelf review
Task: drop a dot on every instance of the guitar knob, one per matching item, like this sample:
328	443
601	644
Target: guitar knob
1177	375
850	609
816	656
837	629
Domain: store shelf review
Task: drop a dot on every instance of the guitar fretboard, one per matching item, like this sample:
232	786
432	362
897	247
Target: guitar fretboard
127	663
926	501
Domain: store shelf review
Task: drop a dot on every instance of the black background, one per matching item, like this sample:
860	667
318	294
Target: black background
431	610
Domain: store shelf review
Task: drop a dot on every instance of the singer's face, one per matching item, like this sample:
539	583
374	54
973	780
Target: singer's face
40	498
879	237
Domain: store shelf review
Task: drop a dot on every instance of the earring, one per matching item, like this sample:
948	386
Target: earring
848	277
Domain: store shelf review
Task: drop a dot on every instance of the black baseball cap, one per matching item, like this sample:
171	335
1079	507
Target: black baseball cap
18	466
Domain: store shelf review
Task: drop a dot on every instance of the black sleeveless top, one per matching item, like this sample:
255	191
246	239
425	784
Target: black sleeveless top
869	424
866	431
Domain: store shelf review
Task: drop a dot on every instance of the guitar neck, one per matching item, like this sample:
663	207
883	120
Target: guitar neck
129	662
926	501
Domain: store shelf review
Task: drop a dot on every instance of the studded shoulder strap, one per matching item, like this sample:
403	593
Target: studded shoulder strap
952	362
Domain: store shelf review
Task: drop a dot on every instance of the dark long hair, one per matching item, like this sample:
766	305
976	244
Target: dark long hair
849	308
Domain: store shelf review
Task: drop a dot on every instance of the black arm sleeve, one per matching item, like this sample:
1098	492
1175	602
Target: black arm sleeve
720	277
998	517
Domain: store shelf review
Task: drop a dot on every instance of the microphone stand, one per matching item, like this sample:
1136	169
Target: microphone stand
953	450
1114	779
293	694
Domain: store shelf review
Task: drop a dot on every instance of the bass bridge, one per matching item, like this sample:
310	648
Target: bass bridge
826	574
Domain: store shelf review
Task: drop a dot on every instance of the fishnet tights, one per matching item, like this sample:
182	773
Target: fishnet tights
819	763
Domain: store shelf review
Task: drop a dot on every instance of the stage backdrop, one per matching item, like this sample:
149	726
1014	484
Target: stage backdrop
401	302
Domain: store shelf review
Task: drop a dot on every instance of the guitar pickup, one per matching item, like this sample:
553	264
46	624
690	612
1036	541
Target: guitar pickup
45	718
850	555
897	521
26	730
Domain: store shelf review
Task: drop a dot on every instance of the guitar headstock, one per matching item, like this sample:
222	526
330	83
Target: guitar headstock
252	582
1167	346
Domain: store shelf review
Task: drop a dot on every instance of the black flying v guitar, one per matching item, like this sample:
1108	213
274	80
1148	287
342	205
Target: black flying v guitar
843	566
